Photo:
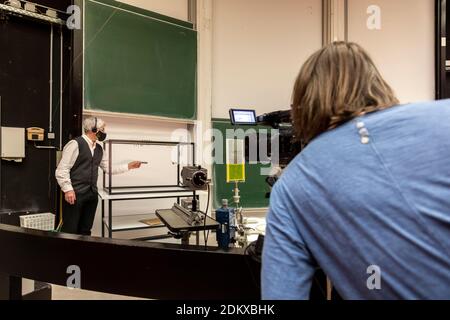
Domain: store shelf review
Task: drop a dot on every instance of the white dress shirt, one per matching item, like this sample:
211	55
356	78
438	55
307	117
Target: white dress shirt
69	157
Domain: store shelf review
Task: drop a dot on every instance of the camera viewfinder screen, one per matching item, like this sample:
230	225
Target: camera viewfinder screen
243	116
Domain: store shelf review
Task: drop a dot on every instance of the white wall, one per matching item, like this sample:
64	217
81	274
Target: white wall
258	49
172	8
404	47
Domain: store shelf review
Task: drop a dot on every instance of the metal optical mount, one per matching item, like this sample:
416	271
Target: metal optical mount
195	178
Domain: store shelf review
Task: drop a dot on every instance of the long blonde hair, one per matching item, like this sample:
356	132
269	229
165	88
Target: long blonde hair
336	84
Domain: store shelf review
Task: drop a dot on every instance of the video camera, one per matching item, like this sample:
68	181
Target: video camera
288	147
282	121
279	120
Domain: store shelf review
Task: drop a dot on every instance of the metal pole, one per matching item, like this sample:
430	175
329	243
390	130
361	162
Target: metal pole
110	219
178	165
1	146
103	218
104	174
192	12
110	167
325	19
195	202
185	238
61	90
50	126
346	19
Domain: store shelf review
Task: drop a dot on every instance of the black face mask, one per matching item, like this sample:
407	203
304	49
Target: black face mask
101	136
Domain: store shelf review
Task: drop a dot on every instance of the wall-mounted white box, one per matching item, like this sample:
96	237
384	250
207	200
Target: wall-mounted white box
13	143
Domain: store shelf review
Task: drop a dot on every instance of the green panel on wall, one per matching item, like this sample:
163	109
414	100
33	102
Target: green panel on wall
139	62
254	190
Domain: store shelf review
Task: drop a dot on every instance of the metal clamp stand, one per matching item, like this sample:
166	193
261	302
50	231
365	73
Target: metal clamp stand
184	236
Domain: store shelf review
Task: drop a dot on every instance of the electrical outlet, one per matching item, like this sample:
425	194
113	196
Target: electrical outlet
51	136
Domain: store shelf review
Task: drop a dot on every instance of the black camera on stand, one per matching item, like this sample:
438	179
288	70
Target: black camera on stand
278	147
195	178
282	121
289	147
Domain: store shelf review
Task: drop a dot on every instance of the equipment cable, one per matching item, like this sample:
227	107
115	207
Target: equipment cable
206	233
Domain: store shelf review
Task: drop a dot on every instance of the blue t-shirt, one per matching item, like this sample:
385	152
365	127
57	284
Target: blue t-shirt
368	202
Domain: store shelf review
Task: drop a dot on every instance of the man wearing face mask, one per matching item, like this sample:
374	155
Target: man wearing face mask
77	175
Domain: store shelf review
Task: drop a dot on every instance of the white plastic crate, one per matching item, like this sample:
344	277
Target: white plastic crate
43	221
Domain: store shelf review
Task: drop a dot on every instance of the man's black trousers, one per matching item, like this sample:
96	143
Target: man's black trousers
79	218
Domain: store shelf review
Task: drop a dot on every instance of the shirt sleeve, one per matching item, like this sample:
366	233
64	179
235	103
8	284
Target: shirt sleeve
287	265
62	174
116	169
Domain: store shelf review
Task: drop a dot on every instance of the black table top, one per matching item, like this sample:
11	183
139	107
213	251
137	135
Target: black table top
176	223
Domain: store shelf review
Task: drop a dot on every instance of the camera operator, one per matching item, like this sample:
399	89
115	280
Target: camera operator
368	199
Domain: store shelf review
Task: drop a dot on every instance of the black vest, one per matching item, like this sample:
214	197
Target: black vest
84	173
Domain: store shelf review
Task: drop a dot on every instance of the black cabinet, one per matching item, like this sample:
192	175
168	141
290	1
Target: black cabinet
27	65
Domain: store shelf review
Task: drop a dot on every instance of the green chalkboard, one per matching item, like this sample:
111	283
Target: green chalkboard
254	190
139	62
